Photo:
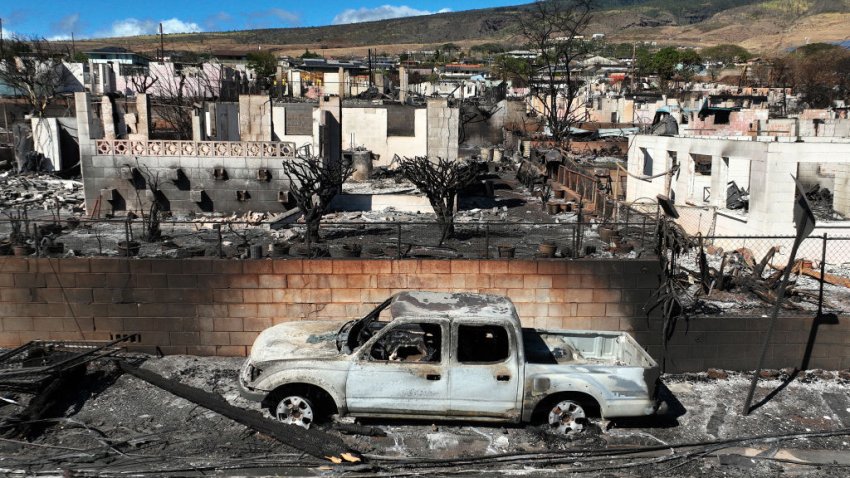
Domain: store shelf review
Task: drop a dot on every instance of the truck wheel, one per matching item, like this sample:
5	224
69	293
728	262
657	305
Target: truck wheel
567	417
295	410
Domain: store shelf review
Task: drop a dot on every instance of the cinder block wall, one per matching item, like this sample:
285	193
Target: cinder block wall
217	307
105	172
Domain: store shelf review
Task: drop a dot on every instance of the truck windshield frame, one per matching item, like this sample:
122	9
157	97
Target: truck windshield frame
354	333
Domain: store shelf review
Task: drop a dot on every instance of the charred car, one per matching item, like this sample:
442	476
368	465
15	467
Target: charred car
448	356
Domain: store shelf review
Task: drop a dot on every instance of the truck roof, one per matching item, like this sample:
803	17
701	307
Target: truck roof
452	304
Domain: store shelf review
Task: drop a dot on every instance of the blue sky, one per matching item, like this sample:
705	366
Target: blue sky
56	19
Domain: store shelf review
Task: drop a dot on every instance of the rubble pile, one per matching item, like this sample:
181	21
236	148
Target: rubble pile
739	279
820	200
40	191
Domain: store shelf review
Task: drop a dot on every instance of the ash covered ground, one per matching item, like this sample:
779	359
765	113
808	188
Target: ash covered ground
115	424
515	214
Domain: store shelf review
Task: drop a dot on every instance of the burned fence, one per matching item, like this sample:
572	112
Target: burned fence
230	238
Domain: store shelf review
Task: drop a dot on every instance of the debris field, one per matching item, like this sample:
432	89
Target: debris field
115	424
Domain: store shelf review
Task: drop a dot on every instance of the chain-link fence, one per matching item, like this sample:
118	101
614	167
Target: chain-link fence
221	237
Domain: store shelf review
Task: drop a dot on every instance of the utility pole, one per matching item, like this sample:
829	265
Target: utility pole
370	67
73	47
2	49
161	45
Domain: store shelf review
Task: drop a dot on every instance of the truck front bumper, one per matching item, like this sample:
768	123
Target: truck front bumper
252	394
245	390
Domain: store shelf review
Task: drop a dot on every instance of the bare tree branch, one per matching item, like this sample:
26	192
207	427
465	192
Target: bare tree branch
555	29
35	69
313	183
440	180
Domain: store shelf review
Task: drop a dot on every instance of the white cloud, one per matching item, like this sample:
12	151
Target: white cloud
383	12
133	27
173	25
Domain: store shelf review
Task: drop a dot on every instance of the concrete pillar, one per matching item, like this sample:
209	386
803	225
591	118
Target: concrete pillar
841	200
442	129
255	118
379	81
143	117
342	83
107	118
197	126
402	84
719	175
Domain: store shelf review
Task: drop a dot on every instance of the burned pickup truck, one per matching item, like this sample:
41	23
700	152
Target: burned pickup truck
448	356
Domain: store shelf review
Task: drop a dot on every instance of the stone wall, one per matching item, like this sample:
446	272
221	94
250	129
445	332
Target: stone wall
217	307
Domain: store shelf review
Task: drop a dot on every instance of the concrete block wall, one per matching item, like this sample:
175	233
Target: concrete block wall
217	307
104	171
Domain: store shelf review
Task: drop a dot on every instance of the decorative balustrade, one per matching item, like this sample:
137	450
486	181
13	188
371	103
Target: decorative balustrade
251	149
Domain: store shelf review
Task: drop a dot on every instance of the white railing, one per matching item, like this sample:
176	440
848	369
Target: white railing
257	149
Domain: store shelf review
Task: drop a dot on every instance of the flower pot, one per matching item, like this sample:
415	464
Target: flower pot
506	251
128	249
547	249
553	208
22	250
607	234
280	249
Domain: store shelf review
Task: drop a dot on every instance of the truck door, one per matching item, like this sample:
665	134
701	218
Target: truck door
485	373
403	371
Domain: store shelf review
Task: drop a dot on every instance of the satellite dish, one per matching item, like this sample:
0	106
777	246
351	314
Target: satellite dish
668	206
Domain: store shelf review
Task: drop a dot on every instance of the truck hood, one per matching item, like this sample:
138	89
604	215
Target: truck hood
315	339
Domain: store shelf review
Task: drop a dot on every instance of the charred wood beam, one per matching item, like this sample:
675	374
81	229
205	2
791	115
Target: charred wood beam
312	442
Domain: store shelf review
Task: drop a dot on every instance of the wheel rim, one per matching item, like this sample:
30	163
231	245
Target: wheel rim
295	411
567	417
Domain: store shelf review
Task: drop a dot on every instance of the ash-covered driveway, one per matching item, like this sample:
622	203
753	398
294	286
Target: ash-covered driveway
119	425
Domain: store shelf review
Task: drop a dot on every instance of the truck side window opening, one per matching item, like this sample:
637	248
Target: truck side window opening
410	343
482	344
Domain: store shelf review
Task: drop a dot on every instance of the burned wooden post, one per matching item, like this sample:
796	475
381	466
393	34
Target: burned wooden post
804	220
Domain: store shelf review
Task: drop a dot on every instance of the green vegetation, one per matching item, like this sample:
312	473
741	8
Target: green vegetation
669	63
263	62
310	54
726	54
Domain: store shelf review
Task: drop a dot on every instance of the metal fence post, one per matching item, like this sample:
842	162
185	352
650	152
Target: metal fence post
822	274
643	233
220	251
487	240
398	241
127	237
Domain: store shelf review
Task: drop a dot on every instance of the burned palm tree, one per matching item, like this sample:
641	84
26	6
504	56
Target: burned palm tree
440	180
313	183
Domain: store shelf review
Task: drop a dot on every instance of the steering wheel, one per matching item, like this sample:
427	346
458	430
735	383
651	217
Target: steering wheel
379	352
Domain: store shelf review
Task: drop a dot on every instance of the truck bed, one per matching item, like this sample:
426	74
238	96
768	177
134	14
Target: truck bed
583	347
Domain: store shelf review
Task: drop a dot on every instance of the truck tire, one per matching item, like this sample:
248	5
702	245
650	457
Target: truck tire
295	410
567	417
300	405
